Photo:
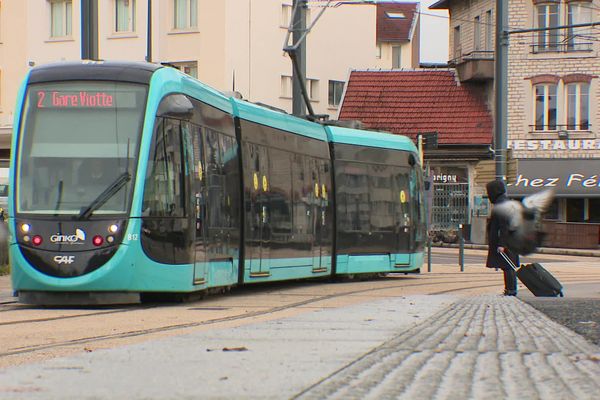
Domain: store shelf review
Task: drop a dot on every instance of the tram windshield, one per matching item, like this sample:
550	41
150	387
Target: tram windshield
77	139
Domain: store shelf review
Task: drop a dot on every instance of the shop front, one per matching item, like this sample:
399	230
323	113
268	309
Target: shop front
574	218
450	197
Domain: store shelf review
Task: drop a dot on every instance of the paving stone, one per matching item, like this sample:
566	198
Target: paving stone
484	347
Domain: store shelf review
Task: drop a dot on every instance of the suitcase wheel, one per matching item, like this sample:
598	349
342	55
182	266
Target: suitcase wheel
561	294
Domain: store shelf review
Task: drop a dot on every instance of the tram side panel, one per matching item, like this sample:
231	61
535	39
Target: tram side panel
190	212
375	209
284	209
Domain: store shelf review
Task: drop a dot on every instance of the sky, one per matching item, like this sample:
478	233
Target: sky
434	33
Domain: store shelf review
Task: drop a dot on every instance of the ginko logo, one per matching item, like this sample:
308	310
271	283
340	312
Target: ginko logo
78	237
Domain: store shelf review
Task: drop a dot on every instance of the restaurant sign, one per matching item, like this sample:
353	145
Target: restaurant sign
554	144
568	177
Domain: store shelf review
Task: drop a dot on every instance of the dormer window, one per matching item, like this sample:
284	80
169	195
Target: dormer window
395	15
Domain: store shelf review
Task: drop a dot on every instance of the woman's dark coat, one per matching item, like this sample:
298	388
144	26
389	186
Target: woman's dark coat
497	229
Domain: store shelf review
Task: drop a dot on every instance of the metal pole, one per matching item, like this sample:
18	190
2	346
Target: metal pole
428	254
299	28
501	89
149	33
89	30
461	249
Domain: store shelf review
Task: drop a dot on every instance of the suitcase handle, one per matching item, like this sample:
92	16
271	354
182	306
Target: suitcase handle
508	260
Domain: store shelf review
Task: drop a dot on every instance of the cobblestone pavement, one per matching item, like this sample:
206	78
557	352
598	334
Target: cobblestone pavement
484	347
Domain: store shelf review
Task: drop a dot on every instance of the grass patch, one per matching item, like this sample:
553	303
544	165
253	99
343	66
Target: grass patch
4	269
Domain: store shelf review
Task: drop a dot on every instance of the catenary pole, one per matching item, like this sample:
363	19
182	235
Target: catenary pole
299	28
149	33
501	90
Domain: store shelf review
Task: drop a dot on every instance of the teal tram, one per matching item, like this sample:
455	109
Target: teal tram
132	179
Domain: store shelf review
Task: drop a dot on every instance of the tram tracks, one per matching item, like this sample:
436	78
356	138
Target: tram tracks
464	285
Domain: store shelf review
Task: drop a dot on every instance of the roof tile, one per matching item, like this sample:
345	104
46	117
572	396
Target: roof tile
412	102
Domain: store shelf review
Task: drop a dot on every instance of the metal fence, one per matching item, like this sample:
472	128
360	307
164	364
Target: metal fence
450	205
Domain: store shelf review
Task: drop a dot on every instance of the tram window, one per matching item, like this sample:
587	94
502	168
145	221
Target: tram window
280	189
164	193
382	199
230	171
300	206
353	197
215	179
69	128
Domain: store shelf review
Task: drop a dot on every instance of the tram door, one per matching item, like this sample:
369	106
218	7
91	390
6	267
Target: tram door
199	190
316	213
403	210
258	244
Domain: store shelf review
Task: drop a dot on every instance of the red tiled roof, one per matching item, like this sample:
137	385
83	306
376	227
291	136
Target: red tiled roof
412	102
395	29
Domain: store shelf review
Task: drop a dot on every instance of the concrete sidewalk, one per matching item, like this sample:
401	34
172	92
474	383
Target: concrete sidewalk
442	347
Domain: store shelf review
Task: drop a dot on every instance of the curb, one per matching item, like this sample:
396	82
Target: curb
540	250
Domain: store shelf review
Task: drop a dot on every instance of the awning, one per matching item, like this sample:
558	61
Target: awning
568	177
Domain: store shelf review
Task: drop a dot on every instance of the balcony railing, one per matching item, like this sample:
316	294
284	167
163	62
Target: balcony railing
561	47
476	55
567	128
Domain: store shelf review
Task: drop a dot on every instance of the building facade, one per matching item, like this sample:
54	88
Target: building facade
232	45
553	97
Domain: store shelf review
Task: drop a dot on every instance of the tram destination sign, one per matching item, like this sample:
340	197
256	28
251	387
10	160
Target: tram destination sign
88	99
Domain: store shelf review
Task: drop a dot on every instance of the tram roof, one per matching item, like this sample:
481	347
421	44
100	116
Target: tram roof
127	71
370	138
286	122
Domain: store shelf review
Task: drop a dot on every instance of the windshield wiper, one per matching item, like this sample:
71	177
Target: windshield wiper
103	197
59	198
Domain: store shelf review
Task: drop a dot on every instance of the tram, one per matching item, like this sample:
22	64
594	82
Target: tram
131	179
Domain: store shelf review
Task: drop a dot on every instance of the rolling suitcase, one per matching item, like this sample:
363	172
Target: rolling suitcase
537	279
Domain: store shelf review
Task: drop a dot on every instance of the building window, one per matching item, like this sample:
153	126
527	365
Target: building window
579	38
124	15
395	15
547	17
396	57
185	14
489	30
545	107
61	14
336	88
578	106
190	68
575	210
312	87
594	210
378	51
477	33
286	86
457	47
286	15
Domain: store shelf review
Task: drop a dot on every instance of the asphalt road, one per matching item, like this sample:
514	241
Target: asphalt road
579	312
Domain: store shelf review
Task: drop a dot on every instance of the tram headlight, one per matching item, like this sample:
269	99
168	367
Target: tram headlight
114	228
25	228
98	240
110	239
